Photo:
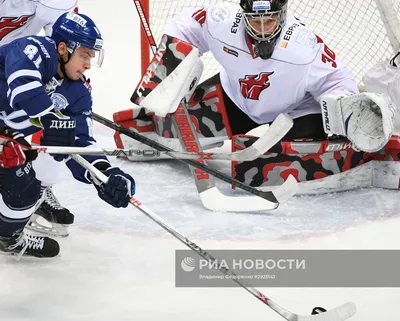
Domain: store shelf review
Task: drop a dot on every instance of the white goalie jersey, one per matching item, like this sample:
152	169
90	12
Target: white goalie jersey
300	71
20	18
384	78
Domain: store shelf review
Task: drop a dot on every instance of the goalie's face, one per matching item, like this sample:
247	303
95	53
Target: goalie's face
263	27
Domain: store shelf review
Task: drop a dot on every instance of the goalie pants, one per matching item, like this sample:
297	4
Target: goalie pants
308	126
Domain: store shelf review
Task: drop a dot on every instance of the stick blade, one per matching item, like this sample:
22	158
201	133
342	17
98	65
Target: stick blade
288	189
279	128
214	200
340	313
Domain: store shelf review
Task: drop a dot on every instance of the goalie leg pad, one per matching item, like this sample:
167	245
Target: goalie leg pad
306	161
207	112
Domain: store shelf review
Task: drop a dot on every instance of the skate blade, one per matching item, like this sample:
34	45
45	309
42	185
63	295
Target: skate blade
56	230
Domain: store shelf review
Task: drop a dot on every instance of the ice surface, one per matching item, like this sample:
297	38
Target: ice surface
118	265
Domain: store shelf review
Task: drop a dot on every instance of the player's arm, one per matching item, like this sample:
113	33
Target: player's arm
384	77
120	186
50	10
329	75
190	25
27	63
84	138
365	118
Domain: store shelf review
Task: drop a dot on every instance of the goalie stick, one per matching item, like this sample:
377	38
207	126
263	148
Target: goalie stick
209	194
213	198
340	313
278	129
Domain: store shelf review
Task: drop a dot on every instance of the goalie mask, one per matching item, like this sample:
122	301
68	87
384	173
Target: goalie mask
264	21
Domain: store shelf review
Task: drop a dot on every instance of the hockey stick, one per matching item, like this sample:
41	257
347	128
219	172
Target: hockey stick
278	128
266	200
209	194
340	313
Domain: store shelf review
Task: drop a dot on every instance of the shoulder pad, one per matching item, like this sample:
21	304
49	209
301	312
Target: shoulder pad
64	5
46	44
225	21
296	44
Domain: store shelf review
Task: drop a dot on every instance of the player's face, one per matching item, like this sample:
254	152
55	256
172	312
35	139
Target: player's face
264	25
80	62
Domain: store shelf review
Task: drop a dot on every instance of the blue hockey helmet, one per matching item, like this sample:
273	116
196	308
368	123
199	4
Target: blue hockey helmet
77	29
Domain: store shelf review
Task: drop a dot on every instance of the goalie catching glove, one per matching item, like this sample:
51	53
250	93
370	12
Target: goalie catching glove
366	119
119	188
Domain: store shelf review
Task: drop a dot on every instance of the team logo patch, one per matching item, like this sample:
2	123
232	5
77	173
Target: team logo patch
59	101
231	51
251	86
219	14
261	5
76	18
9	24
51	86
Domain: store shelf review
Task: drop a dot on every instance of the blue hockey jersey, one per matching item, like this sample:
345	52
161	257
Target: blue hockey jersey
73	98
30	87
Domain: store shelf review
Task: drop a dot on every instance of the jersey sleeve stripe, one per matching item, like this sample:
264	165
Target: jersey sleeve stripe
43	112
24	73
21	89
200	16
18	125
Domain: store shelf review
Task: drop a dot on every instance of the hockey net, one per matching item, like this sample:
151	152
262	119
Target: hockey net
361	32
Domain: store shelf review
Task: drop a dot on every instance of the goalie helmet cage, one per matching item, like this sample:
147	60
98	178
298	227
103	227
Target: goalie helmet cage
360	32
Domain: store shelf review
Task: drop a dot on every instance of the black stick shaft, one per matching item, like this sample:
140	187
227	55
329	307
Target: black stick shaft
269	196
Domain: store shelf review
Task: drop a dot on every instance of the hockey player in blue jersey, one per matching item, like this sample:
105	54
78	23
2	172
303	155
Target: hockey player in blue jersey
31	69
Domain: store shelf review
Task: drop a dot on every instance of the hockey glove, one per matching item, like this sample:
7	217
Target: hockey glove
13	154
366	119
58	130
119	188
